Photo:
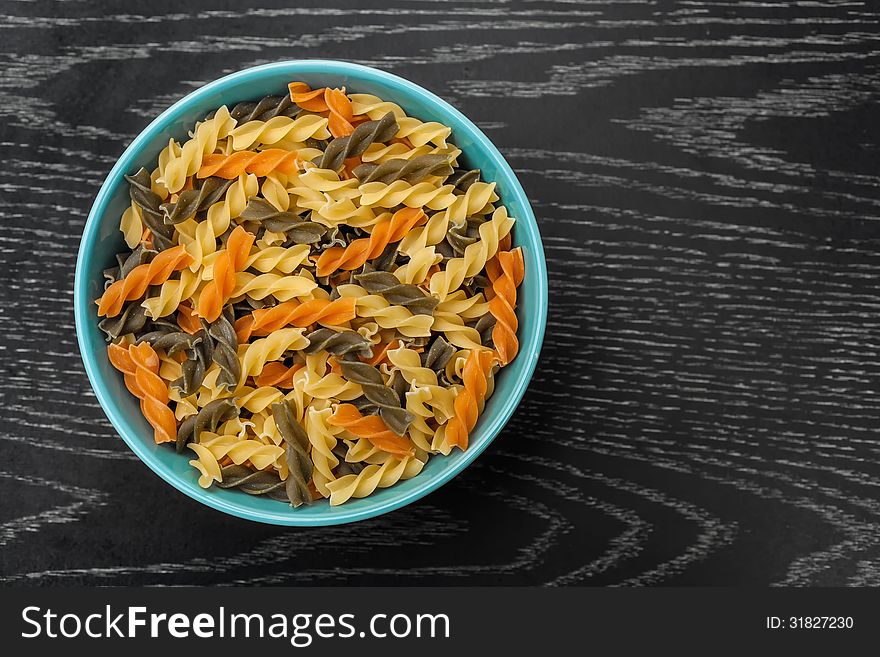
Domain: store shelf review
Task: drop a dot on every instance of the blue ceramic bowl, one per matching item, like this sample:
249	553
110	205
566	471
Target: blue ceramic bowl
102	239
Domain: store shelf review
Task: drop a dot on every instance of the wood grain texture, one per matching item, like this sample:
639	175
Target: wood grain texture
705	177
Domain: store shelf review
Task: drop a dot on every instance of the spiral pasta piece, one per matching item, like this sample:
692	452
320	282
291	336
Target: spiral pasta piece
322	180
185	377
131	225
331	199
469	401
321	190
402	150
359	251
282	287
132	319
237	427
341	112
373	106
230	261
460	304
322	436
420	133
430	403
259	163
140	366
334	212
191	156
296	452
252	483
224	352
309	99
420	195
257	399
424	390
258	133
371	478
442	404
506	271
187	320
411	171
294	313
274	191
241	451
140	278
264	109
357	142
169	370
278	259
371	427
338	343
357	453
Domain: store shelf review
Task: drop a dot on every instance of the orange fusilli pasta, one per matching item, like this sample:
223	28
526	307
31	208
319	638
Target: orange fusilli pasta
140	367
295	313
371	427
140	278
341	113
468	403
505	271
306	97
359	251
226	265
258	163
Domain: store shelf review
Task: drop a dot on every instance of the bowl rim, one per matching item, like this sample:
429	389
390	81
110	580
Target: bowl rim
340	514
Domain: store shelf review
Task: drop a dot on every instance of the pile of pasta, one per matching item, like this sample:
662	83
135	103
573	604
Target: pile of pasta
315	297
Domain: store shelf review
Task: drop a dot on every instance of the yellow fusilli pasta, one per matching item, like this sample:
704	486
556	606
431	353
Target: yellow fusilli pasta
373	477
174	171
268	133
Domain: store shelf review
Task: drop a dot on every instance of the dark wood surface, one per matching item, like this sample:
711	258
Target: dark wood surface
705	410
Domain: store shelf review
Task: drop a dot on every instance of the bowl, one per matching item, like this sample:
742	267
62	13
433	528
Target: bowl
101	240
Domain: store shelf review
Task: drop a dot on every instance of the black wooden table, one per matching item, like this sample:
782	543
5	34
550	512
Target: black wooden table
706	404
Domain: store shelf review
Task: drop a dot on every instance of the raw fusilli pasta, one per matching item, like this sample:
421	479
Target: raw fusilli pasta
316	295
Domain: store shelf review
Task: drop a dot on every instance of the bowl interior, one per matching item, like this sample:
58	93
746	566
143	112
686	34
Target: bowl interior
102	240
